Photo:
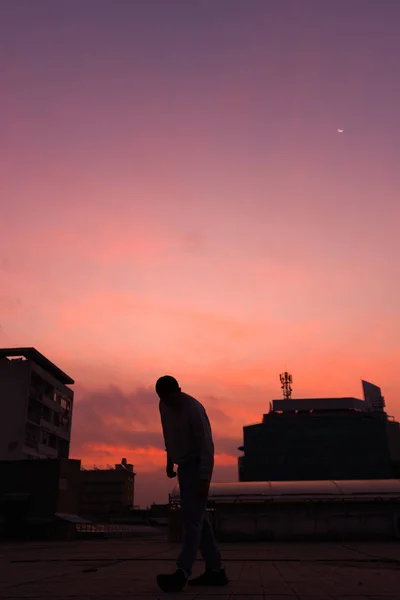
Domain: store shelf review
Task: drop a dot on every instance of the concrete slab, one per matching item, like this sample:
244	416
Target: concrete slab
124	569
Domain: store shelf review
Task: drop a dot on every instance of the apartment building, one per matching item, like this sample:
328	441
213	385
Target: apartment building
36	405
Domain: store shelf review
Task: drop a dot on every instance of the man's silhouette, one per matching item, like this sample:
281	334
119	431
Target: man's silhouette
189	444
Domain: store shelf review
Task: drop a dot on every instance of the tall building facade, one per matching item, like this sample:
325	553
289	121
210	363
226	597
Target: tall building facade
325	438
36	406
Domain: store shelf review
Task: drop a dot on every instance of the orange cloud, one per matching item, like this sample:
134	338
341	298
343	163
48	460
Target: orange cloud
109	424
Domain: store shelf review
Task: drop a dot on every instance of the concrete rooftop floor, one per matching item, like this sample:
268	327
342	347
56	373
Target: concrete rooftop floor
124	569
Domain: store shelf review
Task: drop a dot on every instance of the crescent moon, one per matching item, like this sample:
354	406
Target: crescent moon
340	130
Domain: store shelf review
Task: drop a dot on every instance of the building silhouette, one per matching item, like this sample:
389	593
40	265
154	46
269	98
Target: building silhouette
39	499
36	406
323	439
107	492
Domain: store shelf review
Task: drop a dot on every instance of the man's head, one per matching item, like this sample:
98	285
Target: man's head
168	390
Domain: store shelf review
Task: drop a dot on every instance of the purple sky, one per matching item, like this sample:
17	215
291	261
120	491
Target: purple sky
176	198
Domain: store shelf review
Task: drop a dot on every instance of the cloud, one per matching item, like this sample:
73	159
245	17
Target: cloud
215	412
192	243
111	242
103	240
9	304
108	417
113	305
109	424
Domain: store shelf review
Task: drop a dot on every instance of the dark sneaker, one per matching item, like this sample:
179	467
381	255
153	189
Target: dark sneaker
210	578
172	583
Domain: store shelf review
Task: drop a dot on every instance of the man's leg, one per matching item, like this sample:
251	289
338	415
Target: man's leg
193	511
197	531
214	574
208	546
199	534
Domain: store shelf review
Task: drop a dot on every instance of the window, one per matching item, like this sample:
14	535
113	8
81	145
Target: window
63	448
48	390
47	414
32	435
45	438
34	410
65	423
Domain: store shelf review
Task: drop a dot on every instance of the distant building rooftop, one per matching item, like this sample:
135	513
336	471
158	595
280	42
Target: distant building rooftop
264	491
326	404
373	402
38	358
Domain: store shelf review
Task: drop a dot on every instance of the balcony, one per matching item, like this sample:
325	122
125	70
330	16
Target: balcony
57	430
62	433
30	451
49	402
32	435
36	393
34	417
30	443
47	451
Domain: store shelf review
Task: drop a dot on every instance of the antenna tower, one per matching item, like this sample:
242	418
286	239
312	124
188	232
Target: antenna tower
286	384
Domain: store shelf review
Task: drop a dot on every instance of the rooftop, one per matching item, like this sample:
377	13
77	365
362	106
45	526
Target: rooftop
373	402
35	356
119	569
319	404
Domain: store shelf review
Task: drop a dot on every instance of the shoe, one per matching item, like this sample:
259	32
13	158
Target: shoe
174	582
210	578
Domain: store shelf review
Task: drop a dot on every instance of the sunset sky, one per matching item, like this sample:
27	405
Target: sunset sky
176	198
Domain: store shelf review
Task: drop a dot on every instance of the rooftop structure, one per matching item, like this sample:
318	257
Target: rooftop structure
322	438
289	510
373	402
295	491
35	356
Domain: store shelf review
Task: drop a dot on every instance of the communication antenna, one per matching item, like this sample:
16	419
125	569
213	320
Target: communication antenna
286	385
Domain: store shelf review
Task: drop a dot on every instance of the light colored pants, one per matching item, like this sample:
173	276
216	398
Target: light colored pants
197	530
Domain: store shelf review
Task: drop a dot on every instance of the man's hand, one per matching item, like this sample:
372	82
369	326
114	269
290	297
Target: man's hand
171	473
202	488
170	469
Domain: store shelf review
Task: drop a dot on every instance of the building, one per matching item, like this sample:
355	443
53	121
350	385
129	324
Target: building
39	499
36	406
158	514
297	510
323	438
107	492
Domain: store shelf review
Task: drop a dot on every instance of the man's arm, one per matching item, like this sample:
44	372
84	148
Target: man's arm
170	463
170	468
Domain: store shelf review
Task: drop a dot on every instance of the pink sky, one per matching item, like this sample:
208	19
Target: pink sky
176	199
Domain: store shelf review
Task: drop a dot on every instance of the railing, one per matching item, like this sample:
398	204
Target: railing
106	530
31	443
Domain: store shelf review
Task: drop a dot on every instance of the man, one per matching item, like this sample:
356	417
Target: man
189	444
